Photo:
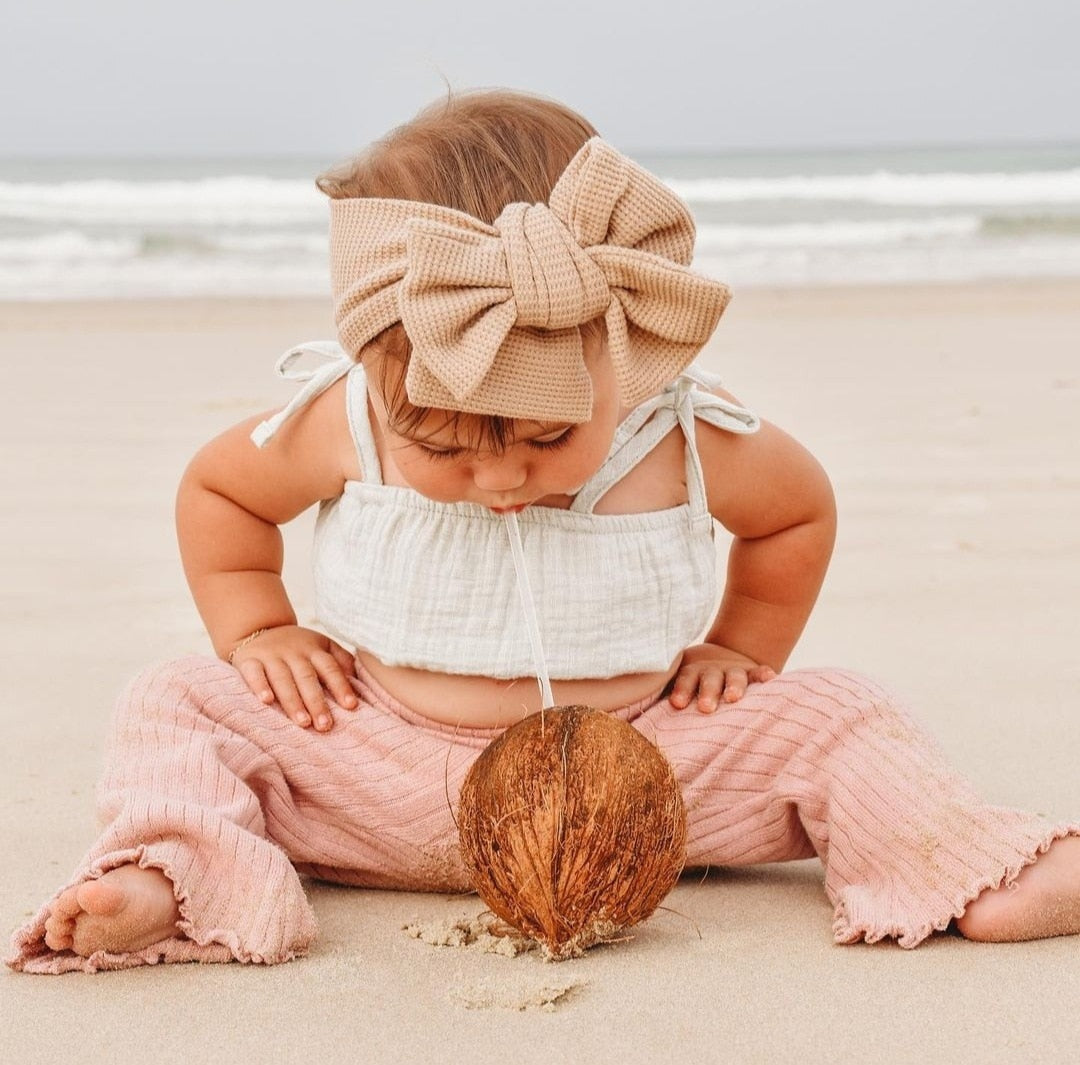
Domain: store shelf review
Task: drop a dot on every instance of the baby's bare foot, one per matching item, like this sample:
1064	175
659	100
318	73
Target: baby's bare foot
1043	901
126	909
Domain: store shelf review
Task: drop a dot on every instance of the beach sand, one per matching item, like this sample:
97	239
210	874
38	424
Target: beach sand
947	417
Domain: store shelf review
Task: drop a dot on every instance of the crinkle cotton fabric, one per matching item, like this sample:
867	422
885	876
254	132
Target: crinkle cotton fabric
234	803
432	585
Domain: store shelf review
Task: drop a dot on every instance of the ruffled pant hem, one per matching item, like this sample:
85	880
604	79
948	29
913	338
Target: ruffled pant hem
863	916
199	942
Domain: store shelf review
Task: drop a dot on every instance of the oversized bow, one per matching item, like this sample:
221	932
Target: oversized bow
492	310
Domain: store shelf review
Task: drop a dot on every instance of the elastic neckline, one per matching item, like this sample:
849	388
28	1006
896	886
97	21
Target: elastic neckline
636	436
580	521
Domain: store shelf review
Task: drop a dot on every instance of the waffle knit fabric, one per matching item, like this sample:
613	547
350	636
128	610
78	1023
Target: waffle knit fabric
492	311
233	801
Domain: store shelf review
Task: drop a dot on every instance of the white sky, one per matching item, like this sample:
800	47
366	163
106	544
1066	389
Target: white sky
199	77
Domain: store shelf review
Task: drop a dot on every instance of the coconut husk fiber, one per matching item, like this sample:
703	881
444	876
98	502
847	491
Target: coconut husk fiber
573	827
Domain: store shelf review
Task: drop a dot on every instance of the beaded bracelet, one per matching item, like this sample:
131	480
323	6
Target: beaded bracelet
245	641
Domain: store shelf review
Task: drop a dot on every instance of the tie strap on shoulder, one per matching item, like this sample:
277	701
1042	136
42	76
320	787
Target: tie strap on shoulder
335	365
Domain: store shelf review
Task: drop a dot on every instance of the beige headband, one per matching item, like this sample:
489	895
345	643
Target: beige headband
492	310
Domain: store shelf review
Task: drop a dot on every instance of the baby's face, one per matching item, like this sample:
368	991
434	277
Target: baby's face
544	462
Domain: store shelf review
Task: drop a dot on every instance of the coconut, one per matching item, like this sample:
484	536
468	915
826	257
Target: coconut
573	828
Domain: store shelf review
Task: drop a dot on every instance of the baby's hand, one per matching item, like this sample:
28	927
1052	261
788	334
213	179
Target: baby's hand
296	667
710	674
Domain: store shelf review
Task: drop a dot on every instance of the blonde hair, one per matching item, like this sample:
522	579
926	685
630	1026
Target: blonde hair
474	152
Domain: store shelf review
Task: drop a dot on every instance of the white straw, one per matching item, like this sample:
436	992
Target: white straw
529	606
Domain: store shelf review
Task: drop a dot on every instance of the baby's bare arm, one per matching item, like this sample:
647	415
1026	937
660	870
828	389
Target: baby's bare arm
776	500
232	553
231	500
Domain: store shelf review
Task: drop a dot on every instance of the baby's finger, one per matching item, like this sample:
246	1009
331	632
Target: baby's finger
281	680
735	681
255	677
345	659
682	691
311	691
334	680
761	674
710	684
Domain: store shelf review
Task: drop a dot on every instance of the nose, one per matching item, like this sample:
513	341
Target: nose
501	473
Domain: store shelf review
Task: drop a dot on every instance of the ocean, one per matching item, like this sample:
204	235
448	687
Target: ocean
99	229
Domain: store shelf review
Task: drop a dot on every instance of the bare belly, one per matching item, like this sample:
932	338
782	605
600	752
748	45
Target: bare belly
481	702
656	483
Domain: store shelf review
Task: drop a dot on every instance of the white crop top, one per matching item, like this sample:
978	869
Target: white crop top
432	585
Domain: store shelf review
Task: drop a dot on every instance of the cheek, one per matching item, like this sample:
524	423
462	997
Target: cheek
436	481
598	444
584	464
576	465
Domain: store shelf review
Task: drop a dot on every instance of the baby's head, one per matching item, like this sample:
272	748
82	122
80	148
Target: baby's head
504	275
473	152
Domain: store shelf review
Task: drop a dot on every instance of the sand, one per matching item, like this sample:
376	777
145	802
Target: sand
947	417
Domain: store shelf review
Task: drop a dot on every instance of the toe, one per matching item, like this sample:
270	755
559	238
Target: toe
58	941
67	904
59	925
101	898
59	932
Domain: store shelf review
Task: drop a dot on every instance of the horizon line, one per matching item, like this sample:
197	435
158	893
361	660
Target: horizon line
667	152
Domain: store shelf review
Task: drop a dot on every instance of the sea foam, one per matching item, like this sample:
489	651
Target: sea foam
97	230
220	201
836	233
883	187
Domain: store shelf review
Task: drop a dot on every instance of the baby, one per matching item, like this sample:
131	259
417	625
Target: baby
517	324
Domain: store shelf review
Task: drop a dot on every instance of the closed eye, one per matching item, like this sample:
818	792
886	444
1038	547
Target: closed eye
441	452
555	442
552	443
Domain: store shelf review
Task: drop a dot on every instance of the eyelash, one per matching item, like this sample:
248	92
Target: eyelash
538	445
431	453
553	445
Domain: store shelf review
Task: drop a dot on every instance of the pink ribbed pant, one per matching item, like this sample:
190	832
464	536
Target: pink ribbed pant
232	800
